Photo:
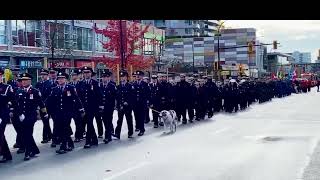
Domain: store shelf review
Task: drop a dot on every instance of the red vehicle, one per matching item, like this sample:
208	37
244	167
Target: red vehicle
311	78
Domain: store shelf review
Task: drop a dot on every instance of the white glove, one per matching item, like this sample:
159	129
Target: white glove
125	103
0	120
22	117
46	116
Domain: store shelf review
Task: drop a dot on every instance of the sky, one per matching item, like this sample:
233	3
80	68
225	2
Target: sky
300	35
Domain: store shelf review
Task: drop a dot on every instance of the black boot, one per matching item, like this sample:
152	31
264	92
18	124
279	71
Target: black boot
61	151
106	141
87	146
26	158
141	133
5	159
20	151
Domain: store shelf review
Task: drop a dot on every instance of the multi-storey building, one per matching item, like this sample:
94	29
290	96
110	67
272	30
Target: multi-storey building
301	57
32	44
185	28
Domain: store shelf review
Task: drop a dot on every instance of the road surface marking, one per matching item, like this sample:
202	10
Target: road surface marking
140	165
220	131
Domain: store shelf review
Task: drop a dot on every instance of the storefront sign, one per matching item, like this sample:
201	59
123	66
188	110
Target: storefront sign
30	63
4	61
60	64
80	64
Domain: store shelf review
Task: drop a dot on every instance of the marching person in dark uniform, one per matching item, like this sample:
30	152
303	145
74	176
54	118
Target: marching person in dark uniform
147	80
141	95
218	98
16	122
64	101
27	100
41	86
98	116
124	104
107	104
211	90
48	86
6	96
201	98
167	95
14	82
90	96
78	120
155	99
183	91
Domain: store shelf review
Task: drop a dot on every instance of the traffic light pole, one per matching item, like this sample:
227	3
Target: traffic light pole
218	68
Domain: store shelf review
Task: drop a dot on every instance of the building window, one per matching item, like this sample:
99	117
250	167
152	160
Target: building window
3	32
67	39
38	33
26	32
189	22
148	47
79	38
188	31
100	38
85	36
90	39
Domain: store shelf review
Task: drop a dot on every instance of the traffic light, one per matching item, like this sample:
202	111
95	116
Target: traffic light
250	47
275	44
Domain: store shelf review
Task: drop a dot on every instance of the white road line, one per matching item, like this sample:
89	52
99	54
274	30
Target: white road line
140	165
220	130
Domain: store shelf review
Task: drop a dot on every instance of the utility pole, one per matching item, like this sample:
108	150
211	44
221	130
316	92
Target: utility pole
121	45
193	56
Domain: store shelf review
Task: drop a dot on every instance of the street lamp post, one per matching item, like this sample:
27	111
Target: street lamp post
218	46
193	56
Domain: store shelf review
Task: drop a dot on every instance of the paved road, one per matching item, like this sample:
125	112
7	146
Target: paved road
271	141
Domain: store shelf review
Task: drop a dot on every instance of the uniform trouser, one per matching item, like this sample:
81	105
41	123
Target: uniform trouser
55	135
182	111
18	128
4	148
99	124
210	108
107	117
217	105
126	111
200	110
46	131
155	115
190	109
140	115
28	140
91	136
78	121
147	115
164	105
318	87
135	119
64	131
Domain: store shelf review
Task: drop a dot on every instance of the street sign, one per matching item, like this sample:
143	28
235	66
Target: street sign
225	73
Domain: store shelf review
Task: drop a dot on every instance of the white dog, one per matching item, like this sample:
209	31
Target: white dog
169	119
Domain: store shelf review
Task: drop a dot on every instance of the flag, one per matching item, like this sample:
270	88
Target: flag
294	76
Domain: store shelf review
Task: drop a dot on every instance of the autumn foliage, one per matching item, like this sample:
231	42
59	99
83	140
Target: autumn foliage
132	38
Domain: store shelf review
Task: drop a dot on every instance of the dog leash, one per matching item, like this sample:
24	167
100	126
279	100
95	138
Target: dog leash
154	110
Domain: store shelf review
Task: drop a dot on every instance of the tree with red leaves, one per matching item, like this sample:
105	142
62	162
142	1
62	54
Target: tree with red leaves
132	38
